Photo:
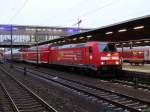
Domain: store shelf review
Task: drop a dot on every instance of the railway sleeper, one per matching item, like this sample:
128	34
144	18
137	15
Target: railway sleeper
24	99
133	104
33	110
27	104
31	107
125	101
115	98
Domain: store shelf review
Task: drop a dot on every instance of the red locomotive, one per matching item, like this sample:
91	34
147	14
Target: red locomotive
91	55
97	56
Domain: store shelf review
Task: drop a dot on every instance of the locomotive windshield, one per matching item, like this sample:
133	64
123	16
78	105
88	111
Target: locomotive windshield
107	47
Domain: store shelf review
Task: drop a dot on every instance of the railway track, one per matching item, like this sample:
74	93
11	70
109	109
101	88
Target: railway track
22	98
142	86
119	100
5	103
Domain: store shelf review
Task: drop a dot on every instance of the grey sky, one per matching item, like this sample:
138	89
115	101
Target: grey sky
93	13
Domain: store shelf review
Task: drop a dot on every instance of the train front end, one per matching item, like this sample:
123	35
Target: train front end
109	58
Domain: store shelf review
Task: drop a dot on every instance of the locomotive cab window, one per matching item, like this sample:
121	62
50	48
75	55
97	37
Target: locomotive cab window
112	47
103	47
107	47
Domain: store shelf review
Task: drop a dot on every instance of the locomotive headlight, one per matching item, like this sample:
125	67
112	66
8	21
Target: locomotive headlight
117	62
102	63
91	57
108	54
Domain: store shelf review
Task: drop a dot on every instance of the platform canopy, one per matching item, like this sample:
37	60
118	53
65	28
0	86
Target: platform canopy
135	31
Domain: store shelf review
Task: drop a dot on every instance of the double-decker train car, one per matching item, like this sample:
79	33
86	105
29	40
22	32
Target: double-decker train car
95	56
34	54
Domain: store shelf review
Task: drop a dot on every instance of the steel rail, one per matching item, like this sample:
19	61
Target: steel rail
9	97
45	104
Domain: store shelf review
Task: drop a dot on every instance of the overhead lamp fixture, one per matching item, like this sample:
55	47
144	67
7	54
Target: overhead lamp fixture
89	36
122	30
117	44
75	39
138	42
107	33
146	41
138	27
81	37
123	43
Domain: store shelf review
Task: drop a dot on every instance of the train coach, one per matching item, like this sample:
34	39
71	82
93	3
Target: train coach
136	55
133	56
96	56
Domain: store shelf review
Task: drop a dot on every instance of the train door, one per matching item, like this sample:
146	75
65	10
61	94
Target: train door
88	55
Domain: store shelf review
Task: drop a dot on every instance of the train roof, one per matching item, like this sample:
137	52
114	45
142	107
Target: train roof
77	45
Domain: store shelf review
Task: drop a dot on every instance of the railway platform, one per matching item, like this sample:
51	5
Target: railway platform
139	68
